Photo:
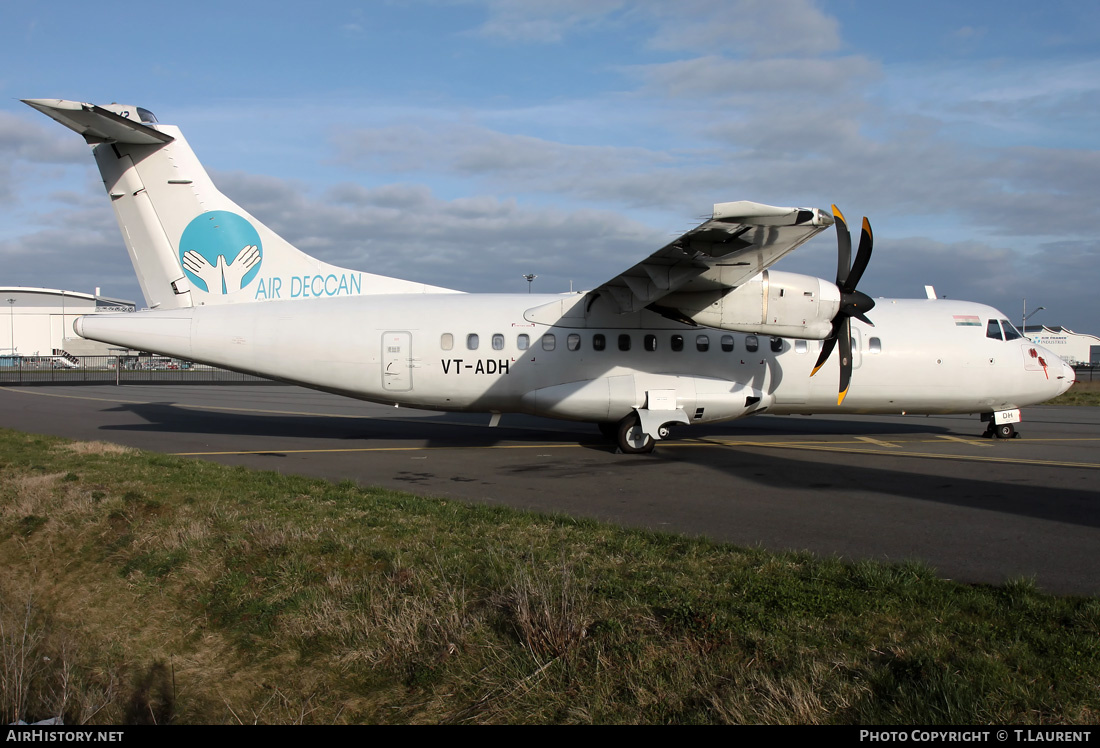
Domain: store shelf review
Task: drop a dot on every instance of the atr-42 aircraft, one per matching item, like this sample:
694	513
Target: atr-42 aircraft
700	331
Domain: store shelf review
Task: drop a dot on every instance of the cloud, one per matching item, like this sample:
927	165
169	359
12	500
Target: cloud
715	75
749	27
992	159
545	22
520	164
754	28
27	141
479	243
79	248
473	150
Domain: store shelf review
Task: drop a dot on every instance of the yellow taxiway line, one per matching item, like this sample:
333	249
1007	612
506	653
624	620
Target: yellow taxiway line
858	444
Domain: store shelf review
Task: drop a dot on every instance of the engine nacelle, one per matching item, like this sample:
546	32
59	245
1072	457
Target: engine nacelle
771	303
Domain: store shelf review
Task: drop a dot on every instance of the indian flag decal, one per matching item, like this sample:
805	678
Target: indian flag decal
967	320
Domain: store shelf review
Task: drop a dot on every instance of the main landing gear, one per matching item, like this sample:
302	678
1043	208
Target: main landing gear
630	437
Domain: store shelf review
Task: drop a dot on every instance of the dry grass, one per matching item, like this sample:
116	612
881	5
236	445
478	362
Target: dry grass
550	613
1081	393
163	589
42	674
96	448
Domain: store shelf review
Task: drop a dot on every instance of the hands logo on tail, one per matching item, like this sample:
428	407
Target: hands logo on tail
207	244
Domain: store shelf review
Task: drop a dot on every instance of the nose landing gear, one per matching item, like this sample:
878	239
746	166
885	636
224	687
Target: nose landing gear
1002	425
1002	431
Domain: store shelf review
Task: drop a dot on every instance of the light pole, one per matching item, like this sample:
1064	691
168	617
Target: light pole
11	318
530	277
1025	317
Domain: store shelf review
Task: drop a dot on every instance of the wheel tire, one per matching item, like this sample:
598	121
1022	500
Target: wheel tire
610	430
631	439
1006	431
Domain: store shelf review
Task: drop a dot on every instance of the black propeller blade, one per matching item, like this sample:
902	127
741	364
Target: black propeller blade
853	303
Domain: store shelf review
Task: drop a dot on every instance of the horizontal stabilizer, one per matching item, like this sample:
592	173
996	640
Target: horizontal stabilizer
100	125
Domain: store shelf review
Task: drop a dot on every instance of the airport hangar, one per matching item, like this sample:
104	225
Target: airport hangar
1076	349
40	321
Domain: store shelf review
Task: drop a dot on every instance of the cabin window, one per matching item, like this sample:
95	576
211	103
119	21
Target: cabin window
599	342
874	345
993	330
752	343
472	341
573	342
446	341
650	342
677	342
702	343
498	342
1011	333
624	342
777	345
523	341
800	346
727	343
549	342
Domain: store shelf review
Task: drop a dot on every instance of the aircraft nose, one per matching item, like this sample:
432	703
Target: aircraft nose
1065	379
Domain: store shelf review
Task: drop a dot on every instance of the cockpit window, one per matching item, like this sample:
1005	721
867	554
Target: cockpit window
1011	333
146	116
993	330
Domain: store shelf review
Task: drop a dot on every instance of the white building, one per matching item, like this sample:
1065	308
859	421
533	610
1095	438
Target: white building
40	320
1072	347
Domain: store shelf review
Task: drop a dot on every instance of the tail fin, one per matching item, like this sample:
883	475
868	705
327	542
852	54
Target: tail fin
189	243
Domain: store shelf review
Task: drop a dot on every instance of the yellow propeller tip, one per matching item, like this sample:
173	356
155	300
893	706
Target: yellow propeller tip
838	214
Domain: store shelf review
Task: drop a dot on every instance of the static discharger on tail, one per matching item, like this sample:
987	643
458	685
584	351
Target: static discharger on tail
702	330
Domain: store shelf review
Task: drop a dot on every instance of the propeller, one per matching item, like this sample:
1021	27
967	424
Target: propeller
853	303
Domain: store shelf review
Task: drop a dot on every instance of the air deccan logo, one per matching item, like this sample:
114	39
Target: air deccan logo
220	252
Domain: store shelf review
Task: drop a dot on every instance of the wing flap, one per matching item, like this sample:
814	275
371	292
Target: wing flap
740	240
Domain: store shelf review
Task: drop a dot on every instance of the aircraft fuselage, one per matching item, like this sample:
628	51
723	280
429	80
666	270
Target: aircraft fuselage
545	355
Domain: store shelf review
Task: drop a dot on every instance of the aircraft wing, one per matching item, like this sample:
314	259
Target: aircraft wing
740	240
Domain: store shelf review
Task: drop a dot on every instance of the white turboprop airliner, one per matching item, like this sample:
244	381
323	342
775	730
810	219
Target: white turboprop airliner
700	331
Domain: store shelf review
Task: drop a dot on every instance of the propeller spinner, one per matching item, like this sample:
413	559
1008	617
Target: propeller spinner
853	303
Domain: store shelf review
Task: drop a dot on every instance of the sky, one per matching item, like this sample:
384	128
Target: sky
464	143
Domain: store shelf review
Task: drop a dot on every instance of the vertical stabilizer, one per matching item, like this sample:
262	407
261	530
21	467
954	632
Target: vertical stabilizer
189	243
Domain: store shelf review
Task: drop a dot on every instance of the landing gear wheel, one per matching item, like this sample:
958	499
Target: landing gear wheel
632	440
1005	431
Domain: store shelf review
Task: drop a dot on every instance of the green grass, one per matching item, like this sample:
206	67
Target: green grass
1082	393
141	587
